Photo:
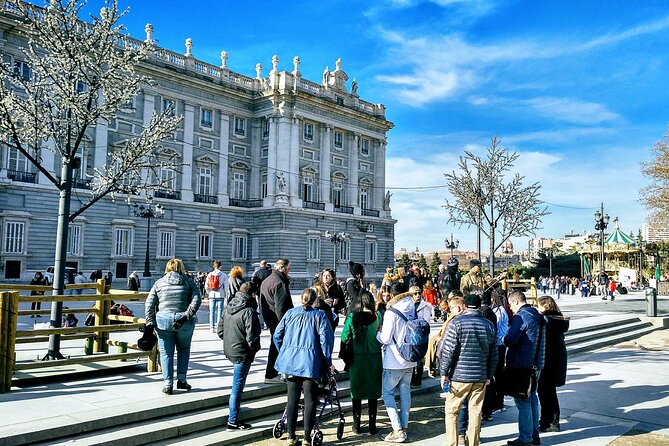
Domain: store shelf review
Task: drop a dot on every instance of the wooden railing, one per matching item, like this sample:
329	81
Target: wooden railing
96	335
528	286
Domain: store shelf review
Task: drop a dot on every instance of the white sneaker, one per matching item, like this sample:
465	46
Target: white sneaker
396	437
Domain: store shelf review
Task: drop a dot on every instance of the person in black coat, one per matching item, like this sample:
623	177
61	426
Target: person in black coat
275	301
554	373
335	295
354	284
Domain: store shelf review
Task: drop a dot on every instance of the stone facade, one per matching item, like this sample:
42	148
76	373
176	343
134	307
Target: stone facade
269	164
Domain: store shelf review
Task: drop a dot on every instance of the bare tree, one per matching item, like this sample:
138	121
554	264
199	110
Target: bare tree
486	194
656	195
76	75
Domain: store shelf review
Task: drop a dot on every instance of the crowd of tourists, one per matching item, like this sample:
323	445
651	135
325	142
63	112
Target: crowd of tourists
489	345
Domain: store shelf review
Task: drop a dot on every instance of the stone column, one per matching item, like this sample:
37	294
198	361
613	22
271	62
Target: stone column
294	163
272	150
254	180
379	190
187	175
324	174
223	196
149	107
283	153
353	175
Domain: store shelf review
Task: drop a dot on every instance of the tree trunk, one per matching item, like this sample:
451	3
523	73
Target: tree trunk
61	256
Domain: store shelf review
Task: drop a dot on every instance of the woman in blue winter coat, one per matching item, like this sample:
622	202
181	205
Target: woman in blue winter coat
304	339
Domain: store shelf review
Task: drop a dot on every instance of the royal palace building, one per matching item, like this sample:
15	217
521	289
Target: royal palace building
270	163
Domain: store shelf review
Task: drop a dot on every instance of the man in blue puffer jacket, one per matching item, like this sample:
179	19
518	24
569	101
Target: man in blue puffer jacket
522	341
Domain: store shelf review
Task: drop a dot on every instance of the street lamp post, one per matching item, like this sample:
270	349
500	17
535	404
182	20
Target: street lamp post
452	244
335	238
549	254
148	212
639	242
601	222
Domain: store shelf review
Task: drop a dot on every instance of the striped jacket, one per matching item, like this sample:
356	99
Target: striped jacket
469	354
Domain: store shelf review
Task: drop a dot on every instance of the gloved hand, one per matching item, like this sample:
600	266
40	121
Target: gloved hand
179	320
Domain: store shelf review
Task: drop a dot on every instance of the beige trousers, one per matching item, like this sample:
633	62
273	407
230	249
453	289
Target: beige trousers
474	392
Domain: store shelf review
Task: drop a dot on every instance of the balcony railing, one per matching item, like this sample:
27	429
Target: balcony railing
370	212
24	177
210	199
171	194
313	205
344	209
245	203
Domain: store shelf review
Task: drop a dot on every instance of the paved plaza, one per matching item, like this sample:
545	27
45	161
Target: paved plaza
609	392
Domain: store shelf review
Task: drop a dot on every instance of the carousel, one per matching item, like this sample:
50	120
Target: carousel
622	256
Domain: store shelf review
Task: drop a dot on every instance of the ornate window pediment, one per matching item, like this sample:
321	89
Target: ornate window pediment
240	165
205	159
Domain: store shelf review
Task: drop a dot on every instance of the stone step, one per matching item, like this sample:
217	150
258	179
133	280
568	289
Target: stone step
594	344
601	332
263	427
199	417
578	326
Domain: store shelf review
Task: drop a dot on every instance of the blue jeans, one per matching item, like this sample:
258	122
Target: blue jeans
463	418
239	375
216	307
528	417
393	379
167	341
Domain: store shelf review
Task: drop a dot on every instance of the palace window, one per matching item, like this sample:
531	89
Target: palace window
206	118
204	245
169	106
239	247
364	147
14	237
308	187
238	185
364	198
74	238
166	247
204	181
308	131
313	248
123	242
338	139
371	252
240	126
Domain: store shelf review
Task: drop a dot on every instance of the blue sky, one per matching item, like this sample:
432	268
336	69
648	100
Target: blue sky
578	88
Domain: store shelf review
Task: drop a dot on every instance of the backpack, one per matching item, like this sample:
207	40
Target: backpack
416	336
213	282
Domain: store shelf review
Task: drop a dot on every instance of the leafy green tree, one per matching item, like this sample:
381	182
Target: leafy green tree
405	261
434	264
422	261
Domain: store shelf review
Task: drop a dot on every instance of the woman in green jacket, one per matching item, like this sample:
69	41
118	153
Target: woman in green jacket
366	370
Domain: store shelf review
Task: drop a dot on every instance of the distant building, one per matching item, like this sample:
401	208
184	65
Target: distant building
536	245
654	232
269	164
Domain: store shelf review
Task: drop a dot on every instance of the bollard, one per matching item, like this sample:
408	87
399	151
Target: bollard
123	348
88	346
651	302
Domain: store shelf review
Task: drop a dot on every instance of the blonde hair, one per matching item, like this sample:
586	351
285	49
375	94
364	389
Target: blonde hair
236	271
176	265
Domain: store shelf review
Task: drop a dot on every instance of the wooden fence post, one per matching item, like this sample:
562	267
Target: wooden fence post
152	365
4	319
9	309
11	338
101	318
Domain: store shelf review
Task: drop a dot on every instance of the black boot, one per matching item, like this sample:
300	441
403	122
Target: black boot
372	407
357	414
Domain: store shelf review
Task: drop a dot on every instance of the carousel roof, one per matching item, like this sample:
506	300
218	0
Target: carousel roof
618	237
617	241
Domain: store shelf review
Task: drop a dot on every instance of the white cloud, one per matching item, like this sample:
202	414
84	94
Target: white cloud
442	67
572	110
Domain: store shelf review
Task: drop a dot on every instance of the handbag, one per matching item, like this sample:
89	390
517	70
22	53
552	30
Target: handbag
148	339
522	382
346	353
